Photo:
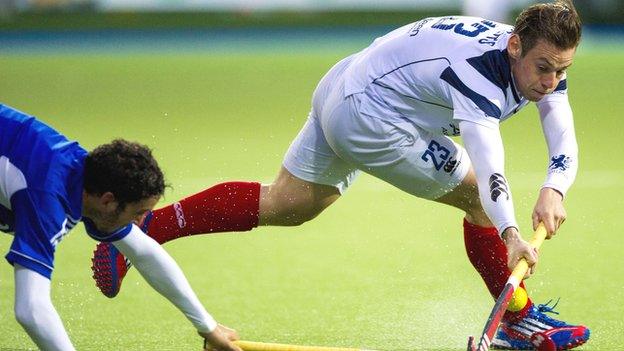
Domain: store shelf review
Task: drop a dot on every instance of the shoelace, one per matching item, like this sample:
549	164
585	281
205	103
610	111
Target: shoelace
544	308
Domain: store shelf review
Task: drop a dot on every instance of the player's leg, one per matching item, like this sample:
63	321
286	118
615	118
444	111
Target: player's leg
435	168
290	201
485	250
240	206
488	255
466	197
312	177
230	206
428	166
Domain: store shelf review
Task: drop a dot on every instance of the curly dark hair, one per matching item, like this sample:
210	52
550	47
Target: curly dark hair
558	23
124	168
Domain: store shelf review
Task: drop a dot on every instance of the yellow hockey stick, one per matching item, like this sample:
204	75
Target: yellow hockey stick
263	346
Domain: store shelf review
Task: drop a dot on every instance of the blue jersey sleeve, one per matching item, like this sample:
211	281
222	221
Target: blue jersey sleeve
103	236
40	224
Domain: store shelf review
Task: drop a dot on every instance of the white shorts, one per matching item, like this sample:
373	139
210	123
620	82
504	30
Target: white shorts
337	141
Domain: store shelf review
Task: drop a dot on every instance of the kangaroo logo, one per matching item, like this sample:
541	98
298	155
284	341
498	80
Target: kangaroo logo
498	186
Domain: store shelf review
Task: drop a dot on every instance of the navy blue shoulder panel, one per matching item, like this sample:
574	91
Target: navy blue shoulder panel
494	66
449	76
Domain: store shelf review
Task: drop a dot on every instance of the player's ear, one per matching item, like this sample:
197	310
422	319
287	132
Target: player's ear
109	201
514	46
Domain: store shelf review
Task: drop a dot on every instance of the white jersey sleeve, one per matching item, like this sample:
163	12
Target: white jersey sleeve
558	126
485	148
165	276
35	312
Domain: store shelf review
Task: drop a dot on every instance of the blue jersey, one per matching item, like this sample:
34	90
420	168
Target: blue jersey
41	185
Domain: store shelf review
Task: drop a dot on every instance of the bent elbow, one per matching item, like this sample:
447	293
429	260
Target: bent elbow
25	314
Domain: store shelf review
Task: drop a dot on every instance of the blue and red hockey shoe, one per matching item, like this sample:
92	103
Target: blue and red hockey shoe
109	266
538	331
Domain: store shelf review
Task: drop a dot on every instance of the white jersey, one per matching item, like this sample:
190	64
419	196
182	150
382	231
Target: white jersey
438	71
452	74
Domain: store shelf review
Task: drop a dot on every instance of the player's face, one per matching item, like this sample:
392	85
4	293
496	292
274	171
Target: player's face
134	212
540	70
108	217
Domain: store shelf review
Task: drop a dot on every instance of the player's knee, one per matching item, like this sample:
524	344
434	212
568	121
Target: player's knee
296	212
470	203
291	209
292	203
476	214
473	207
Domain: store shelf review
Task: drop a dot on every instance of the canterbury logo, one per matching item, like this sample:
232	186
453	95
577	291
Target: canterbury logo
179	215
498	186
451	165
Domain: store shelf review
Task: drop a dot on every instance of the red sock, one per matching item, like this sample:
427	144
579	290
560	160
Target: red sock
488	254
225	207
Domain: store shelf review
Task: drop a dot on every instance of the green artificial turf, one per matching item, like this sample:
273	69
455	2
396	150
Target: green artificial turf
379	269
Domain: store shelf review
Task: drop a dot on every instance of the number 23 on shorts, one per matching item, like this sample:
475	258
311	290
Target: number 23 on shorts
437	154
